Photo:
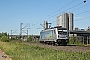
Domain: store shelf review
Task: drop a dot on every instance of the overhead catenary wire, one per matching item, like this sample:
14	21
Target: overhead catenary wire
63	7
81	12
80	8
65	10
56	11
82	18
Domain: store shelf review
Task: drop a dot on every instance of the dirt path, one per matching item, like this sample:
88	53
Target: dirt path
3	56
64	48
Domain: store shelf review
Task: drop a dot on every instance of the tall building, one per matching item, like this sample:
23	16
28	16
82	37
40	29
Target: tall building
65	20
71	21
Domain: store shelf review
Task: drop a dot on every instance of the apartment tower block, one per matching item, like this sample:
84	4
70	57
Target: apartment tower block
65	20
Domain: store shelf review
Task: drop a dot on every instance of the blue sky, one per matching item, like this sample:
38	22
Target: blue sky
34	12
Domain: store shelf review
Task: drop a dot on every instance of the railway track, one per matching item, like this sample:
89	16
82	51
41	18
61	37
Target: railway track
70	48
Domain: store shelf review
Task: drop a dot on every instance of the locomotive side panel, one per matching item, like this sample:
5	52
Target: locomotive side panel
46	35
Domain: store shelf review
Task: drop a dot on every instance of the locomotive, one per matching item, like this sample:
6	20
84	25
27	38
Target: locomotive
55	36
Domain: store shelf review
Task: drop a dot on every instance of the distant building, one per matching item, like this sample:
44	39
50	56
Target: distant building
76	28
66	20
82	29
79	29
88	29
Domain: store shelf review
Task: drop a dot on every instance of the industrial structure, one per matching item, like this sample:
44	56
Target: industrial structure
66	20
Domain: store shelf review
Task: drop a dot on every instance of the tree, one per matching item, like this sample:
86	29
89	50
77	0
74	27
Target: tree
4	37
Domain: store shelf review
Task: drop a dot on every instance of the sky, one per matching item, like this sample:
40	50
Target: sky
32	14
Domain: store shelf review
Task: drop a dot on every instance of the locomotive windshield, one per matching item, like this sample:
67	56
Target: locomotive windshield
62	32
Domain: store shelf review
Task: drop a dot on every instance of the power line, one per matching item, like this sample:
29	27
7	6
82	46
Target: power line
81	7
65	10
12	32
62	7
22	29
82	18
68	9
58	10
83	12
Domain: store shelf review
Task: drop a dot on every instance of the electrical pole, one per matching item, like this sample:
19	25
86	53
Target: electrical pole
12	31
27	33
11	34
23	29
46	24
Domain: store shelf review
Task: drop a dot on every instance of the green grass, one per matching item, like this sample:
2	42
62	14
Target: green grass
77	42
19	51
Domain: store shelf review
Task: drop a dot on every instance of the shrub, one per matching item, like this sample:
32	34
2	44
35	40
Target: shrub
4	39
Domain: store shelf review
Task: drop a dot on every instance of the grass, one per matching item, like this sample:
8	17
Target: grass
19	51
78	42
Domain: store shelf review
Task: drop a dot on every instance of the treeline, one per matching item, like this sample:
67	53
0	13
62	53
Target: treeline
4	37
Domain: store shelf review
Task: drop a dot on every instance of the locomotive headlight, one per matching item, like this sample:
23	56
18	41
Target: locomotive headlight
59	36
66	36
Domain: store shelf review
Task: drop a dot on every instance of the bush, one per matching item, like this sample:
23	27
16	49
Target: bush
4	39
71	41
75	41
28	40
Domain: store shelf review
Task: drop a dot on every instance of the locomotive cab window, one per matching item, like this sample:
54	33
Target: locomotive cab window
64	32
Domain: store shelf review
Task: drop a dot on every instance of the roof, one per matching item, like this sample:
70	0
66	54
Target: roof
79	32
60	27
